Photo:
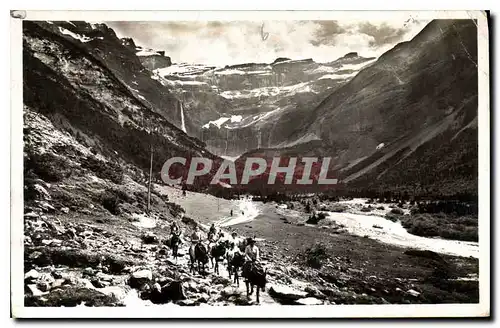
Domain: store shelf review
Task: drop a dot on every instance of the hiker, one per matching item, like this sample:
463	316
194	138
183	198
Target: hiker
174	229
234	257
231	212
175	239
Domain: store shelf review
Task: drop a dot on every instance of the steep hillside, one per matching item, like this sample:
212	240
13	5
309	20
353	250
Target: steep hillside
101	43
410	119
86	94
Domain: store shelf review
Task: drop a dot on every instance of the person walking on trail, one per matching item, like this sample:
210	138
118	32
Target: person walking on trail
231	212
174	229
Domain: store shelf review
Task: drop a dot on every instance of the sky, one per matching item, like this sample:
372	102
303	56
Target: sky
222	43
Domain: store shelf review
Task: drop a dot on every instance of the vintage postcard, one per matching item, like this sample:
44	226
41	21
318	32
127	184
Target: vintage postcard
277	164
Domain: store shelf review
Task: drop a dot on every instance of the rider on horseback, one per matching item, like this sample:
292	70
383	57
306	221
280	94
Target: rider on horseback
233	242
213	231
252	270
196	236
251	251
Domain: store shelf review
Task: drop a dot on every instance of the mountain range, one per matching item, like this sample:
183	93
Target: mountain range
405	121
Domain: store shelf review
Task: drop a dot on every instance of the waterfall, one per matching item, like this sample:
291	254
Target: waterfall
183	123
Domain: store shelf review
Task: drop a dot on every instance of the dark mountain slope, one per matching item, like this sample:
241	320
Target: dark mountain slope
100	42
78	93
418	99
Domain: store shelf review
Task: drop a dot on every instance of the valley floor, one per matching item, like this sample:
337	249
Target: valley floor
73	259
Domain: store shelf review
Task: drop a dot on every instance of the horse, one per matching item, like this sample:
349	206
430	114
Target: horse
217	252
255	276
198	253
235	261
175	241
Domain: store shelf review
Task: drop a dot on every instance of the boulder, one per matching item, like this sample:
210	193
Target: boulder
43	286
149	238
314	292
216	280
230	291
88	271
188	303
31	275
413	293
33	290
203	298
56	274
308	301
98	283
117	292
140	278
73	296
58	283
173	291
285	294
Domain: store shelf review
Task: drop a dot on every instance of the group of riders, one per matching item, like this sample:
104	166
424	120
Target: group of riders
251	251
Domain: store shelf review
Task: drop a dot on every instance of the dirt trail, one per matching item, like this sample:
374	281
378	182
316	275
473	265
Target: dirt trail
210	209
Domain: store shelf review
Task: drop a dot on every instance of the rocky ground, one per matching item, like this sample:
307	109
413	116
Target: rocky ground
76	259
103	260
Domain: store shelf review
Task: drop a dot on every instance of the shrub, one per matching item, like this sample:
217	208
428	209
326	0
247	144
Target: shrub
109	171
175	209
393	217
397	211
47	166
366	209
445	226
314	219
111	199
308	208
189	221
338	208
316	255
111	202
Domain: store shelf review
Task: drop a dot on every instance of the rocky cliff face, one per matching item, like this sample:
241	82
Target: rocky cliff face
241	107
152	59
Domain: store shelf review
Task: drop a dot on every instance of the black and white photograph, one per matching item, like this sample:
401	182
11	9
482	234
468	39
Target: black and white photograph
250	164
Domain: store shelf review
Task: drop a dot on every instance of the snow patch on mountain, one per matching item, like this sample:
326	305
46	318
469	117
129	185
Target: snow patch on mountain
230	72
357	67
219	122
146	52
183	69
338	76
82	38
268	91
181	82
